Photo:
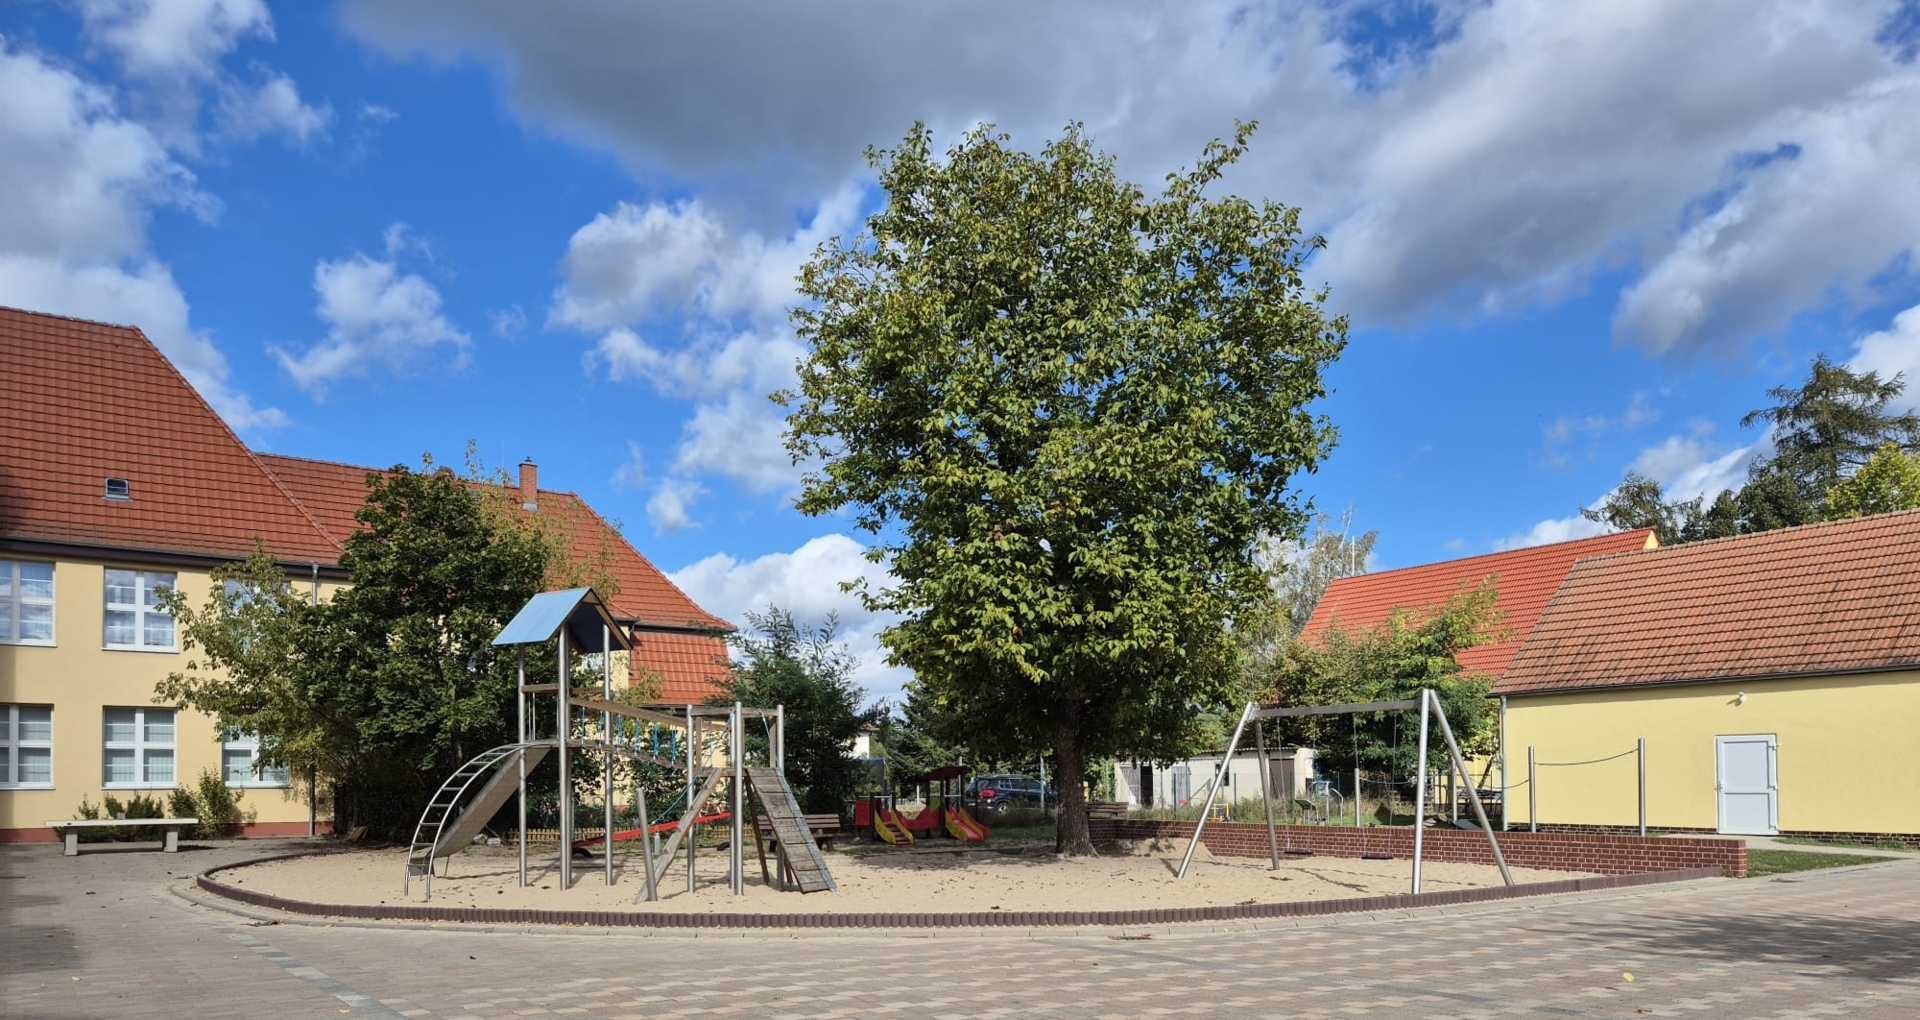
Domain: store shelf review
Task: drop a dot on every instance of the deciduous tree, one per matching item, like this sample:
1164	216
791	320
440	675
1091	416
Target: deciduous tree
1067	411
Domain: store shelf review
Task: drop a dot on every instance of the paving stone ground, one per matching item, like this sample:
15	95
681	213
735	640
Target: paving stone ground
105	935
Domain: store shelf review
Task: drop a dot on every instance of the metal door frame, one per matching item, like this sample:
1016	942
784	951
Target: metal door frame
1773	781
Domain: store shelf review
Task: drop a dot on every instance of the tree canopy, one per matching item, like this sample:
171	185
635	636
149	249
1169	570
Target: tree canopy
389	685
1888	481
808	670
1066	411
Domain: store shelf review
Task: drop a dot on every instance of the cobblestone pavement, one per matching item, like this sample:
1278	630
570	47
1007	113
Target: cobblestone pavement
103	935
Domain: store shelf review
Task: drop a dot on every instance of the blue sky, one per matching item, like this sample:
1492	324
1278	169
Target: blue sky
1574	237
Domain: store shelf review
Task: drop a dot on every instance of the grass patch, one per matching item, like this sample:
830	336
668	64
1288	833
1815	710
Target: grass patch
1761	863
1879	844
1037	833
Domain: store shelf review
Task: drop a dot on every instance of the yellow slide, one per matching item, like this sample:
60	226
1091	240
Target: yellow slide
963	826
887	825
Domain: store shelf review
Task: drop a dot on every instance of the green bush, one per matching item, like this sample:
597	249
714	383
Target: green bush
140	805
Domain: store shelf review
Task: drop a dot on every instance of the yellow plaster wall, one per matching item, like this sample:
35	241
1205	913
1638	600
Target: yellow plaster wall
80	678
1846	754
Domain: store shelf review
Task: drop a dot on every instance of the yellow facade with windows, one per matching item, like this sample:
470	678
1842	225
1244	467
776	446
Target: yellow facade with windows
1843	757
81	719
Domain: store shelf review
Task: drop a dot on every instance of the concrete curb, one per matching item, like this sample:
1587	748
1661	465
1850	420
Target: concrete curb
976	919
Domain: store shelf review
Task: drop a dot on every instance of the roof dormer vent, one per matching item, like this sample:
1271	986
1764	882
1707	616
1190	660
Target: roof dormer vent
119	488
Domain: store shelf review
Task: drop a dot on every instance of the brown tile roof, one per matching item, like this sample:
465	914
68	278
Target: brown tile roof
84	401
692	664
1824	598
1525	578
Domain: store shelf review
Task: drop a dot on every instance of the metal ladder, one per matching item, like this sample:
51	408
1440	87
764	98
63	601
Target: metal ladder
443	808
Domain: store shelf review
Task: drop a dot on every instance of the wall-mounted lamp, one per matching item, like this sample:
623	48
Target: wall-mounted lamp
1740	698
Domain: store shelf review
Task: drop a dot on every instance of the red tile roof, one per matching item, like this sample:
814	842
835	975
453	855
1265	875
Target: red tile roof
1838	597
83	402
692	664
1525	578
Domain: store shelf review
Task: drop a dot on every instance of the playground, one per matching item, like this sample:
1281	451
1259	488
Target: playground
937	878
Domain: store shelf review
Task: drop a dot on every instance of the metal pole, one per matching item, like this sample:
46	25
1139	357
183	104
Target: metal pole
1266	792
1420	793
606	743
646	841
736	860
1643	787
1473	795
1533	794
565	721
780	738
1232	745
520	701
1356	793
691	814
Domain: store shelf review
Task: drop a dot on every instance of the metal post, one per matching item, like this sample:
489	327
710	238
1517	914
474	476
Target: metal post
1232	745
1643	787
1266	792
565	728
1420	793
1533	794
646	841
737	860
1473	795
779	748
606	744
1356	793
520	701
690	841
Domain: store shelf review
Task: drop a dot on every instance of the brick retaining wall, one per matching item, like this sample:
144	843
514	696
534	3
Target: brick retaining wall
1556	851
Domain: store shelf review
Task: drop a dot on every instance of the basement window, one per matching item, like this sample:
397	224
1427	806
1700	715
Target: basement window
119	488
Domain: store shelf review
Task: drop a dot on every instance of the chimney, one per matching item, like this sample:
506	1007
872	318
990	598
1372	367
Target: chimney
529	485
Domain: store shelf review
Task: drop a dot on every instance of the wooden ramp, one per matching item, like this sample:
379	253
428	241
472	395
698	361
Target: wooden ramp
797	850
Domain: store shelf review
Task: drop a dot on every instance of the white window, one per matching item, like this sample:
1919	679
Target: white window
134	618
240	762
26	747
26	602
138	747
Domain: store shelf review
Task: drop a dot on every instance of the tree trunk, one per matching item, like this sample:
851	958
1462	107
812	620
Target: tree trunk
1070	776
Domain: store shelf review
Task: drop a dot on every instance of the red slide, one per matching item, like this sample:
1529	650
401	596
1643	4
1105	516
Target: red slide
963	826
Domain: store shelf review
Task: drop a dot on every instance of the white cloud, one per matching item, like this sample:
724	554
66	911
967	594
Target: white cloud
1894	350
1521	148
185	37
1558	529
670	508
377	317
77	185
271	107
632	473
807	583
727	290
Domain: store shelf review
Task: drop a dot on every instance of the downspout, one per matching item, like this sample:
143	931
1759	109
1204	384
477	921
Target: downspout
1503	763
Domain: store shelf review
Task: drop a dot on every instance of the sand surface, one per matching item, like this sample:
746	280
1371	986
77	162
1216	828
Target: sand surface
931	878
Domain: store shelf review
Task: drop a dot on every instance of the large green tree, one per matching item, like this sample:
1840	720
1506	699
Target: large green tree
1067	411
393	682
1827	427
1888	481
809	671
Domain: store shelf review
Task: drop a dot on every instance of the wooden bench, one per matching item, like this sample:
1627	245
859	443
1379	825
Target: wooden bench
169	839
823	828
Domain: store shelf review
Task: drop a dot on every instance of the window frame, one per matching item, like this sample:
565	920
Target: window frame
142	587
240	740
141	747
15	598
11	743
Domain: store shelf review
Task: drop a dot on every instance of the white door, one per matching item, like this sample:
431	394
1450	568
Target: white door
1748	784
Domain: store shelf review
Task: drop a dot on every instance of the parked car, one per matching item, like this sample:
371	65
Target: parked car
999	795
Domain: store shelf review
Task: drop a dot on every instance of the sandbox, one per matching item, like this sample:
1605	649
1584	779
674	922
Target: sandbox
1126	876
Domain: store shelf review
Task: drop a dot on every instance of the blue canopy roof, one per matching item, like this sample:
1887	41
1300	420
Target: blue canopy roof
578	609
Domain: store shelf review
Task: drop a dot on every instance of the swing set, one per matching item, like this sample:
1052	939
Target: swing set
1427	704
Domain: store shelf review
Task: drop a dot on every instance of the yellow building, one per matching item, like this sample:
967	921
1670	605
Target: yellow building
1774	677
116	481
